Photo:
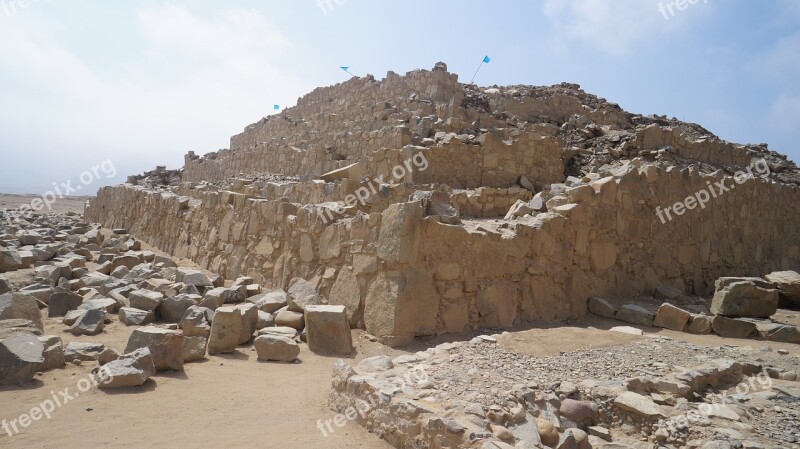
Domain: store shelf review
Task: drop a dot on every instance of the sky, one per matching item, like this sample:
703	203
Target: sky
92	90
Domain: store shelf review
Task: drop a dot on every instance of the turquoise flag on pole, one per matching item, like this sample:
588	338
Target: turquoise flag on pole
486	59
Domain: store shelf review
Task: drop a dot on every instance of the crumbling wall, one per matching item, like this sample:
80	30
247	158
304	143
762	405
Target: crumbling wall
344	122
402	274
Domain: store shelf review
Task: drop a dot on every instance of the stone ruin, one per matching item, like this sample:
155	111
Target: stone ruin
427	206
417	206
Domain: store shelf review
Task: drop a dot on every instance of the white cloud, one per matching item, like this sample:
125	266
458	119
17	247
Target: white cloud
190	83
614	27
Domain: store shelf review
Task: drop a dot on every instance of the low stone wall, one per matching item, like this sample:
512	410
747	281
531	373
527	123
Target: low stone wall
402	274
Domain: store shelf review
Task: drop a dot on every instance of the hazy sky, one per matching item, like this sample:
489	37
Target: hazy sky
139	83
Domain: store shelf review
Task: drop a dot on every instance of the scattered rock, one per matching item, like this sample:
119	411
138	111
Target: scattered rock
328	330
276	348
129	370
744	297
166	346
21	356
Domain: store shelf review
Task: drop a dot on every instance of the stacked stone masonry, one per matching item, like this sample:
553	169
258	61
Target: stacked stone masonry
604	240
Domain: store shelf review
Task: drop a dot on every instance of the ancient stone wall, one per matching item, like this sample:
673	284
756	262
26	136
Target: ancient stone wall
403	274
344	122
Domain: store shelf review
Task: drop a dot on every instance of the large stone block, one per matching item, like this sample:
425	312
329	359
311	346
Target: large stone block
20	306
53	353
601	307
744	297
270	301
635	314
62	302
89	322
303	293
399	236
166	346
276	348
129	370
732	328
497	305
21	355
400	305
226	330
328	330
671	317
346	292
196	322
788	283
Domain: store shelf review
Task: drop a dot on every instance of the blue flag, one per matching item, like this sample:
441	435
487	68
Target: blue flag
345	67
277	107
486	59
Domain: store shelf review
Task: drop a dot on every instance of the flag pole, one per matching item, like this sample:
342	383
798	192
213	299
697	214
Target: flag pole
347	70
476	72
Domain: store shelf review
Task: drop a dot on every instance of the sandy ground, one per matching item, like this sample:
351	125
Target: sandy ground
60	206
234	401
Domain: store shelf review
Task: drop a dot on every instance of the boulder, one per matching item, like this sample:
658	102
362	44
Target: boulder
635	314
671	317
249	314
9	261
700	324
129	370
400	305
783	333
193	277
265	320
173	309
290	319
53	353
732	328
282	331
637	404
581	412
88	352
301	294
89	322
72	316
135	317
128	261
4	287
548	432
8	327
328	330
744	297
276	348
226	330
194	349
21	356
20	306
788	285
195	322
165	345
601	307
270	301
107	305
62	302
145	300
